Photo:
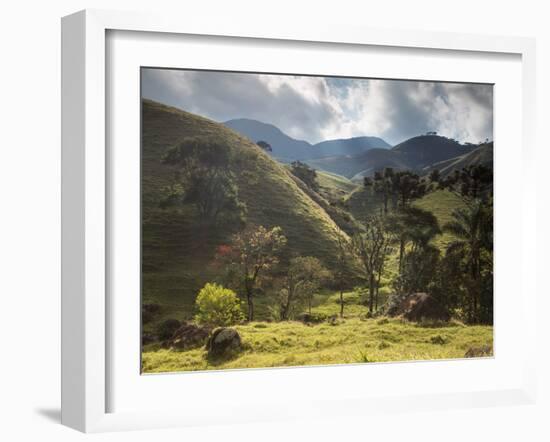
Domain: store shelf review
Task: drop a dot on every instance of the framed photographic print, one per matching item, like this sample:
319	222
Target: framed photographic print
251	213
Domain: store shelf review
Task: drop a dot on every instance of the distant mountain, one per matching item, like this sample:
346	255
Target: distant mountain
415	154
429	149
349	146
288	149
285	148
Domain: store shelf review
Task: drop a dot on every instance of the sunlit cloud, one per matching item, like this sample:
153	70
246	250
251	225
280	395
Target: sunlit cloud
320	108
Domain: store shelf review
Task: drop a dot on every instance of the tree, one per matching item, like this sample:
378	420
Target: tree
252	253
472	228
306	174
383	185
412	225
343	268
217	306
372	246
264	145
203	178
418	269
471	182
408	186
303	278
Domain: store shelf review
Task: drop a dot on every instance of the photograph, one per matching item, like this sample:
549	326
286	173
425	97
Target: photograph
308	220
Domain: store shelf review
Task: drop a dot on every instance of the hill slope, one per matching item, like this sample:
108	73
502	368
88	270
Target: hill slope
481	155
175	252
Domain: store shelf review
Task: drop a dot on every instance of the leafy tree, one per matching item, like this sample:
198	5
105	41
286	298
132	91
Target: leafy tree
472	182
435	176
202	178
303	278
472	228
265	145
408	186
418	269
412	225
252	253
306	174
217	306
384	185
372	248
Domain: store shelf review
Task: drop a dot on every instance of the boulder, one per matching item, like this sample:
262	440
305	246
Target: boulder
223	341
147	338
189	336
479	352
419	306
167	329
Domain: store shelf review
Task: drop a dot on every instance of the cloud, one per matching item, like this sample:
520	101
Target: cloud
319	108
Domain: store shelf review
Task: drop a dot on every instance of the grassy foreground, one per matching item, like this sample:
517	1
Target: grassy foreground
351	340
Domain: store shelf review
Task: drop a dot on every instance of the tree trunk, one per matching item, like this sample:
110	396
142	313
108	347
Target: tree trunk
250	305
371	293
401	253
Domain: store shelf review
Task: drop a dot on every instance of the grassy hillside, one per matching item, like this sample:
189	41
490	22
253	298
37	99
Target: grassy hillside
176	253
334	186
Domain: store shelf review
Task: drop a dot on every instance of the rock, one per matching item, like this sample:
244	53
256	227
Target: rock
419	306
188	336
167	329
147	338
223	341
479	352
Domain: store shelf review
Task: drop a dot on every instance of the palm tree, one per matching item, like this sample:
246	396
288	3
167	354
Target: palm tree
472	229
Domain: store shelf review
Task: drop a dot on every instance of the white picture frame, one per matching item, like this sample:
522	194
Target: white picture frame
86	356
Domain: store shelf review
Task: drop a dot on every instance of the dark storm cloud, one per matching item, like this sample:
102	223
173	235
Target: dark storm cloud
225	96
316	108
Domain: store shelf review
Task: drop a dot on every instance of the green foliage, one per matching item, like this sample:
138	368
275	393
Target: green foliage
264	145
303	278
472	251
306	174
217	306
202	178
251	254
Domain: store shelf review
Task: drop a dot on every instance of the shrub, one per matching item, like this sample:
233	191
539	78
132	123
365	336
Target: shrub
218	306
167	328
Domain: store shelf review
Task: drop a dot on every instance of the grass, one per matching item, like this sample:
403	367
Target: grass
351	340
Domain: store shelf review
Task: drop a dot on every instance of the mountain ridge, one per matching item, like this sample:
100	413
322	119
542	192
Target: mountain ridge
288	149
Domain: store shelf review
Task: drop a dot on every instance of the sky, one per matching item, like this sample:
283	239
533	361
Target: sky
321	108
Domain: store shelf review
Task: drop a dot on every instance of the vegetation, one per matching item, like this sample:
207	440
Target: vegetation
308	266
217	306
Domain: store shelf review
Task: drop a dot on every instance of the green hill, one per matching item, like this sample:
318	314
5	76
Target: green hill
176	253
481	155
